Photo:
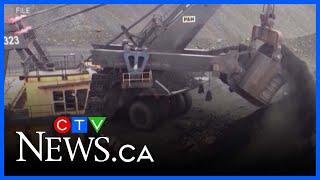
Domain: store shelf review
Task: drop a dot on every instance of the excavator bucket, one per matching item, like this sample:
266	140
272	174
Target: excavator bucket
263	78
263	75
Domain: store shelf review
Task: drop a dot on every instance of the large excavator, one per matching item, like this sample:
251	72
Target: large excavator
149	74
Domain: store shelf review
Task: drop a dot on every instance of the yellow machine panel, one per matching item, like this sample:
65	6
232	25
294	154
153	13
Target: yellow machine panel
59	94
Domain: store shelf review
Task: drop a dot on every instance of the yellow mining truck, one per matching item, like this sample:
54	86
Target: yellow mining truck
35	99
50	93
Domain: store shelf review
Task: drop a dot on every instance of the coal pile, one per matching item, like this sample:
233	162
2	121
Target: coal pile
278	139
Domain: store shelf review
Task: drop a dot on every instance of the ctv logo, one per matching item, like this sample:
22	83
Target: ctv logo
96	148
64	124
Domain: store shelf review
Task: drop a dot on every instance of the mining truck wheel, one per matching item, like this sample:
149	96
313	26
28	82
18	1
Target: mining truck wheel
177	105
188	102
143	115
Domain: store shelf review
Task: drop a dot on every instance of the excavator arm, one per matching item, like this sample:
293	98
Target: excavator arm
22	39
179	28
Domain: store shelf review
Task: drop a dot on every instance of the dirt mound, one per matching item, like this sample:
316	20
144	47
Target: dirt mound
278	138
304	48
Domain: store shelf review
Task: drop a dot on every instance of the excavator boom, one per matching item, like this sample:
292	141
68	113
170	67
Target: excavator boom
181	27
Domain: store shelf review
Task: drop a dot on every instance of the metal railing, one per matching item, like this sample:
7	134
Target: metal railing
60	62
137	80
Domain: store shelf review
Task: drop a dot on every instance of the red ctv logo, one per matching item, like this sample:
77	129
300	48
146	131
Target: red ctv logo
62	125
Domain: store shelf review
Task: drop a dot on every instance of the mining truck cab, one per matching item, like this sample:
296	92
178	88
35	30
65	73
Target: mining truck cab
44	94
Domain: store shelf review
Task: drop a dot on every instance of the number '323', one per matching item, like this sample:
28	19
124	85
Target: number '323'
11	40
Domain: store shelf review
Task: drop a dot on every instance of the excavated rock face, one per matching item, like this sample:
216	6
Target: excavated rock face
231	23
